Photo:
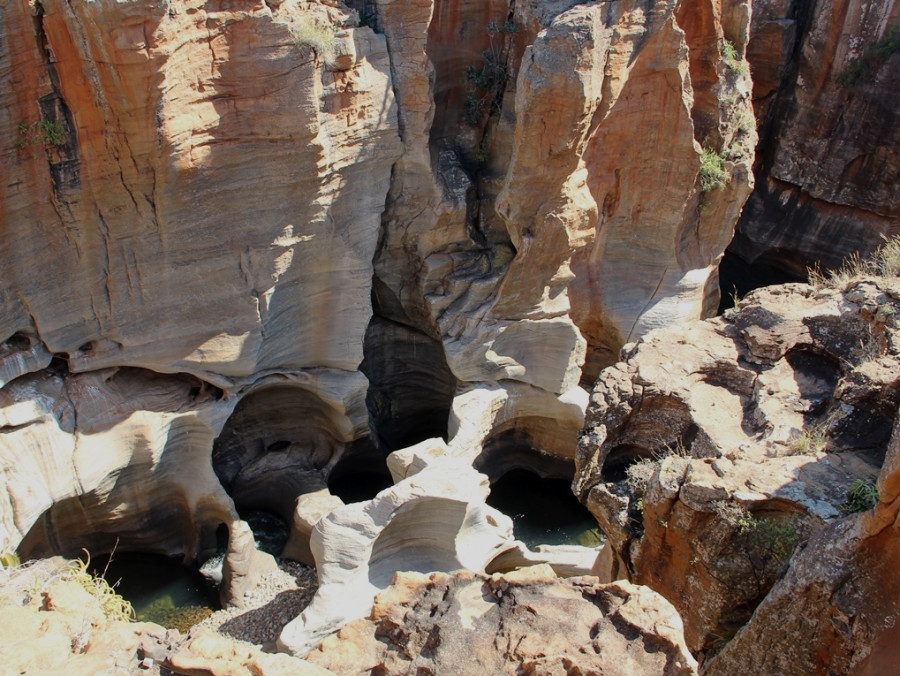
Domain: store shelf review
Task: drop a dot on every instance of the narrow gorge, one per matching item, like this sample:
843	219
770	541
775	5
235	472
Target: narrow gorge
388	274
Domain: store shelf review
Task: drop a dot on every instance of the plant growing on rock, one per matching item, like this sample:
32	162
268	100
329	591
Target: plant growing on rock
866	67
861	496
713	175
485	83
318	37
733	60
44	132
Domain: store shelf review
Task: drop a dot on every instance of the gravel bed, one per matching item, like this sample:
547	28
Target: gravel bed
278	599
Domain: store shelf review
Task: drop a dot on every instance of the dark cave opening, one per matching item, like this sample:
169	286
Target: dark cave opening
360	474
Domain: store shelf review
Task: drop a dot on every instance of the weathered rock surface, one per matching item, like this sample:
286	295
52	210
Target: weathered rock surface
530	622
837	610
113	454
717	446
826	77
218	186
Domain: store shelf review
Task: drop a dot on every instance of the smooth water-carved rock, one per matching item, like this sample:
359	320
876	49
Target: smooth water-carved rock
433	521
717	447
217	187
114	455
527	622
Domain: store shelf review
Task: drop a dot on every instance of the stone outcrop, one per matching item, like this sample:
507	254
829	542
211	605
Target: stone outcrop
835	610
717	447
826	78
520	237
530	622
216	187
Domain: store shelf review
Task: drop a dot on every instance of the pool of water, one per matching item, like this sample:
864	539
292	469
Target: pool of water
160	589
544	511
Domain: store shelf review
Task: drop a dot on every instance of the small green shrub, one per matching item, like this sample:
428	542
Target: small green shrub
866	67
733	60
43	132
486	82
861	496
713	175
318	37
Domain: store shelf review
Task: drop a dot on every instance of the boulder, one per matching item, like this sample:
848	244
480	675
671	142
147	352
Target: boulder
527	622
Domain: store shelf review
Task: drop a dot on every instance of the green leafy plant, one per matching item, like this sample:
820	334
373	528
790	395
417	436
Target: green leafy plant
713	175
43	132
866	67
318	37
861	496
733	60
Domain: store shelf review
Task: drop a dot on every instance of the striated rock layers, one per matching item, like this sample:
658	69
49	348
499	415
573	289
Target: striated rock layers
212	213
826	87
717	447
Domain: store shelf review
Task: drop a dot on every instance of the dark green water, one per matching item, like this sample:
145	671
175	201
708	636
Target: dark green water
544	511
160	589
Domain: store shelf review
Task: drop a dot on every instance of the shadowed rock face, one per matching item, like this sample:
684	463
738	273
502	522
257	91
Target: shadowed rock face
717	447
826	78
836	609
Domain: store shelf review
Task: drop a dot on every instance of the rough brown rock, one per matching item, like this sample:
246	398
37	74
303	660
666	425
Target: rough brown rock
837	610
827	181
716	447
529	622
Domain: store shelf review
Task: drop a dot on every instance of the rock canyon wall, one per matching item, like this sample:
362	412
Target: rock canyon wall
825	89
252	248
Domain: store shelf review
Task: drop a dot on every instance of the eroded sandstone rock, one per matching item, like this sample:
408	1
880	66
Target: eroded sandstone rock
217	186
717	447
528	622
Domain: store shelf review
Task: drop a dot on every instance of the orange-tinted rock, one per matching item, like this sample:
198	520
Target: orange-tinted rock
837	610
521	623
217	187
717	447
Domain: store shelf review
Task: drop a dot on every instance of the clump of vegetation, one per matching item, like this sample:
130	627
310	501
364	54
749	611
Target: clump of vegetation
766	543
112	604
41	133
861	496
713	175
733	60
486	82
866	67
884	262
810	441
20	582
318	37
